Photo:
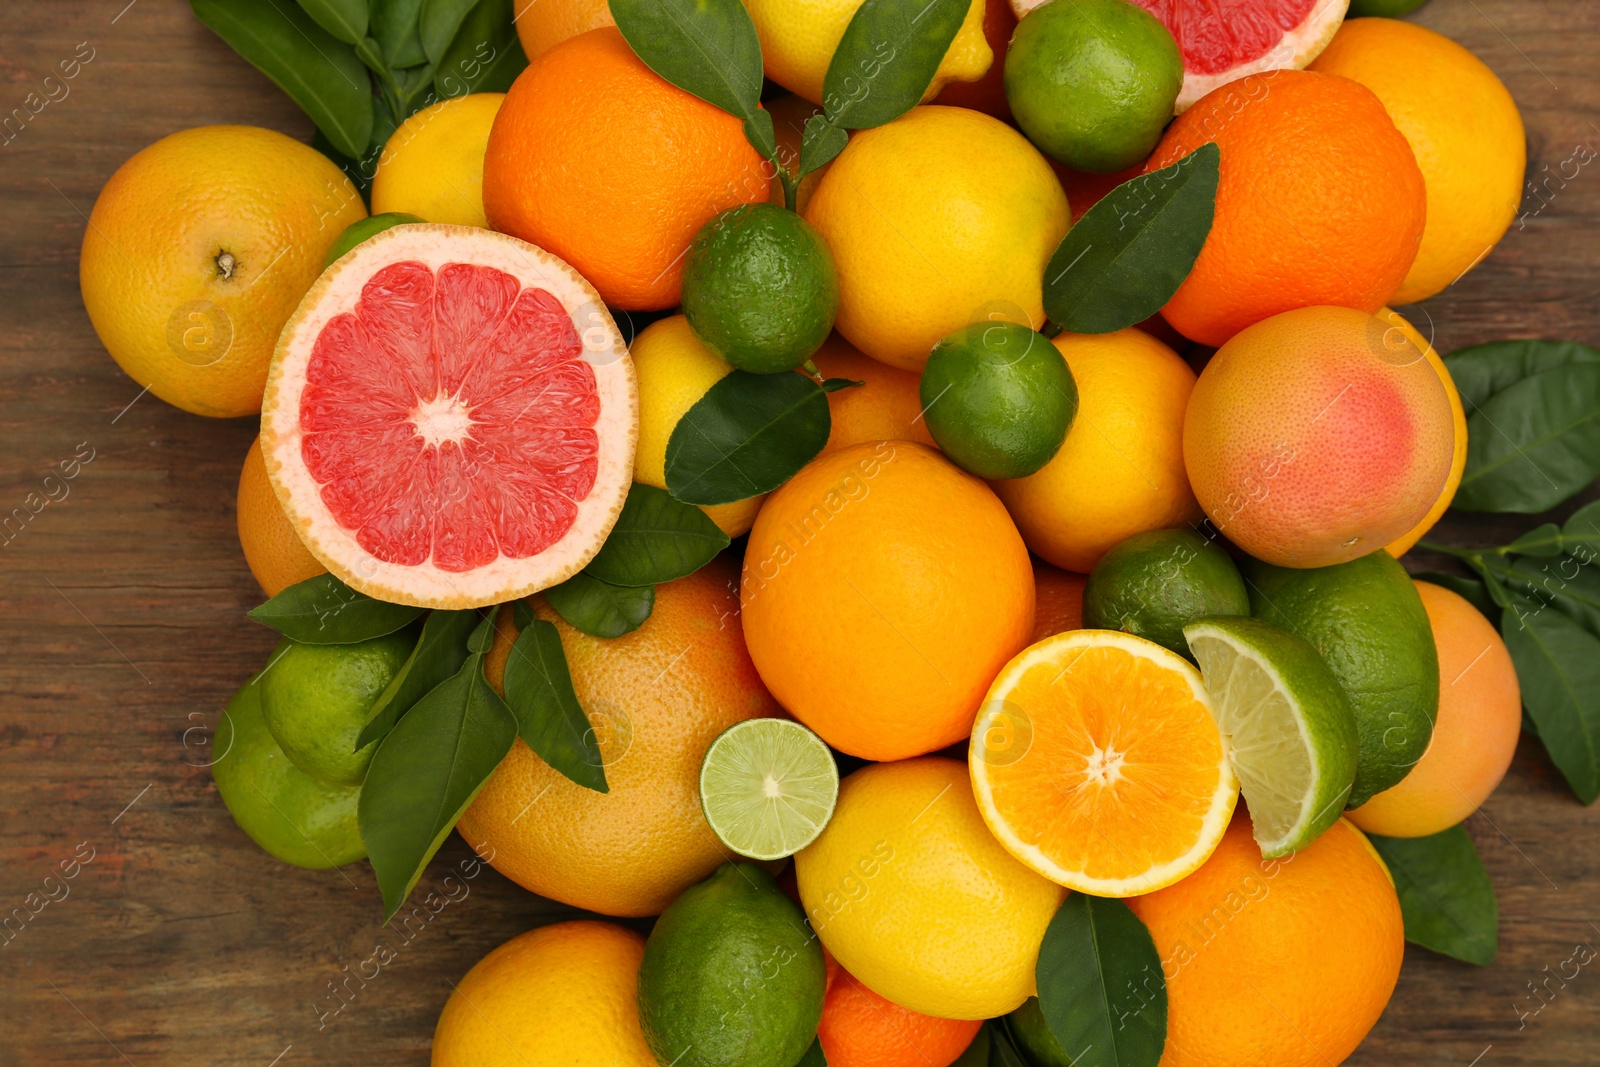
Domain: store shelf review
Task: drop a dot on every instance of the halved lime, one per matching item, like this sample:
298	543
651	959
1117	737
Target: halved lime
1289	729
768	787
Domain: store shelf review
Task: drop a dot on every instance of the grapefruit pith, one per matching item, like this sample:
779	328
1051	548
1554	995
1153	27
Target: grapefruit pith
450	418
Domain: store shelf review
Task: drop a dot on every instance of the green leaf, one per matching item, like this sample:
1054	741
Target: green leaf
1542	540
1582	529
977	1054
318	71
600	609
814	1056
887	58
345	19
1129	253
1558	667
437	24
820	142
1564	583
748	435
394	24
1470	589
1003	1050
549	717
440	651
425	773
325	611
1100	984
1484	370
1445	897
655	540
1534	443
485	55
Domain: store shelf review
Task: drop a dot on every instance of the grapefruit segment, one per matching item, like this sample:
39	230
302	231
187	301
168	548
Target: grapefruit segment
450	418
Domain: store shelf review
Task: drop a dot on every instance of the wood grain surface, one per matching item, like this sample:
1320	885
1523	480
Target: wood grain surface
122	627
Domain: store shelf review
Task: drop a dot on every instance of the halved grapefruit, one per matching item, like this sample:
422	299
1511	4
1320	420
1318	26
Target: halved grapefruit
450	418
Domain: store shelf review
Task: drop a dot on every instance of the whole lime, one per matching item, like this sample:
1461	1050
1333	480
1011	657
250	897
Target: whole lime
760	288
731	974
1383	8
1154	584
998	398
297	818
1093	82
362	229
315	699
1033	1036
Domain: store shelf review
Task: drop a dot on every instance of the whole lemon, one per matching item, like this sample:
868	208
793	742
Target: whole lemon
913	895
938	219
432	166
197	251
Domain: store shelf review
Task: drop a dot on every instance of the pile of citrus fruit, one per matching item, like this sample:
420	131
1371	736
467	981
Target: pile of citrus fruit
963	662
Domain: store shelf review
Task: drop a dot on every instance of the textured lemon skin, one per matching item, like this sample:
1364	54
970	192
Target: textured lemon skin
432	166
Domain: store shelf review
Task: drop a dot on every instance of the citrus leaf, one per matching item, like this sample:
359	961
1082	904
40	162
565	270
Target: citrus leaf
425	773
887	58
655	540
820	142
1542	540
345	19
484	56
437	24
1129	253
1564	582
441	649
549	718
814	1056
1100	984
978	1053
319	72
1446	900
1481	371
601	609
1579	536
1534	443
394	24
325	611
1558	667
1002	1048
1469	589
748	435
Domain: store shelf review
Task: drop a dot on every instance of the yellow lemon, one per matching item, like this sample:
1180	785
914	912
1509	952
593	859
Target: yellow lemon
1458	457
432	166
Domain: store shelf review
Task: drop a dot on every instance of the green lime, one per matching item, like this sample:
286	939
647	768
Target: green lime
731	974
759	288
1383	8
1153	584
1367	621
1093	82
316	698
292	815
1033	1036
998	398
1290	733
360	230
768	787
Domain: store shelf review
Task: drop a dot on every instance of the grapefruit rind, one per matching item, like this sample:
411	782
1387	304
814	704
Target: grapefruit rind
335	292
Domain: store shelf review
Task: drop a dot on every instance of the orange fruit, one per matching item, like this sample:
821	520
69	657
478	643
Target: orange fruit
1458	457
1318	435
1058	600
905	577
599	160
543	24
1287	962
274	552
656	699
1320	201
1097	762
988	93
1474	736
197	252
886	408
861	1029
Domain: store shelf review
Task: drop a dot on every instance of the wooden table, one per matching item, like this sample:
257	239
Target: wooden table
123	630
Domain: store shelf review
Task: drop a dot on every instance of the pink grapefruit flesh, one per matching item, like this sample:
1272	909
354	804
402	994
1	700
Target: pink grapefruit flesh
450	418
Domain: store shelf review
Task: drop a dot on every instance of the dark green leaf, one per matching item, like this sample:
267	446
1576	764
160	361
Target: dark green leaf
325	611
440	651
601	609
820	142
977	1053
522	615
1003	1051
371	56
833	385
1540	541
485	55
437	23
1445	896
1534	443
1558	667
1100	984
1484	370
549	717
1129	253
814	1056
655	540
1563	583
425	773
481	639
318	71
1470	589
359	173
746	436
394	24
887	58
1581	532
345	19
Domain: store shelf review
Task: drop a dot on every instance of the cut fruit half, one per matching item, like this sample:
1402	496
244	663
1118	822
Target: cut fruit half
1096	760
768	787
1289	729
450	418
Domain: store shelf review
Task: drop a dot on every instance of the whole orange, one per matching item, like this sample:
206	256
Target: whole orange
1287	962
599	160
656	698
543	24
883	589
862	1029
1058	600
274	552
1320	201
886	407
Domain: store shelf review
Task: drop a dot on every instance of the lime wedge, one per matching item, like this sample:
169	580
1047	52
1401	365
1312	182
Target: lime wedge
1287	725
768	787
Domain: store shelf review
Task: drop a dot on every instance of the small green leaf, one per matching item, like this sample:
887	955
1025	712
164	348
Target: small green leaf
1100	984
887	58
394	24
1469	589
655	540
440	651
748	435
978	1054
814	1056
1003	1050
1129	253
600	609
549	717
1564	583
484	56
1558	667
820	142
1581	532
1445	897
1482	371
325	611
437	24
833	385
345	19
705	47
1542	540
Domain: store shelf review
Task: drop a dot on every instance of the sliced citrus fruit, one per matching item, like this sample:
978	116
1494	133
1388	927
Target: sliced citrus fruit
1289	730
768	787
1096	760
450	418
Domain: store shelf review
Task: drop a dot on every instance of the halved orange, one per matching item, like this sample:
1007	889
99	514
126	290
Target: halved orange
1096	761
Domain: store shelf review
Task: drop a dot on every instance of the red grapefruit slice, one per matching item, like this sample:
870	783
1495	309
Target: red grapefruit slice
450	418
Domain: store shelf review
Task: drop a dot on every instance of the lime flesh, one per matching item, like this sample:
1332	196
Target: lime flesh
768	787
